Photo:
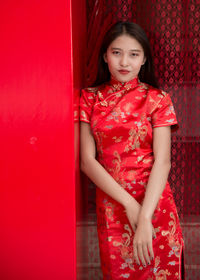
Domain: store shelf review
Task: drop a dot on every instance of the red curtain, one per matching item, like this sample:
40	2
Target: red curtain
173	28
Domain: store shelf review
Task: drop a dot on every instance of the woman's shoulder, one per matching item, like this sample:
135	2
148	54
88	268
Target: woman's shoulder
153	92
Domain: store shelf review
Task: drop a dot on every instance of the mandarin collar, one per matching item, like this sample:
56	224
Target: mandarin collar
126	85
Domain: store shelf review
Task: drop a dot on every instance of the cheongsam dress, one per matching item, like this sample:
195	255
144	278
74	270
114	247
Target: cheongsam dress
122	117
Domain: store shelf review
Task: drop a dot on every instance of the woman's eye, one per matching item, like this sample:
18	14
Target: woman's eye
116	52
134	54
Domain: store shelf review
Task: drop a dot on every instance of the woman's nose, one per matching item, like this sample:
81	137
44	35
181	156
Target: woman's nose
124	60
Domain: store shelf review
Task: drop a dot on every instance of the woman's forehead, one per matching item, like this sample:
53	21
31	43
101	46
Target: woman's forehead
126	42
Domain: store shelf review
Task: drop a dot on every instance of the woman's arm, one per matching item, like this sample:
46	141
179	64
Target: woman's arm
156	184
159	172
95	171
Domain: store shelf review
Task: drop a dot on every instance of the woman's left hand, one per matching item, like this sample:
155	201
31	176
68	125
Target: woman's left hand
142	242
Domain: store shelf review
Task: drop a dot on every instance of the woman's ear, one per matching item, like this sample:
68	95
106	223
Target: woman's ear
144	60
105	57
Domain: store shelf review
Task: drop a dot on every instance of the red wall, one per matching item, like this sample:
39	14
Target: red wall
37	189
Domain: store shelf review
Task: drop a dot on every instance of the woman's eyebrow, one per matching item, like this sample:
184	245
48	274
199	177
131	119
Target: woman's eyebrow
116	49
135	50
132	50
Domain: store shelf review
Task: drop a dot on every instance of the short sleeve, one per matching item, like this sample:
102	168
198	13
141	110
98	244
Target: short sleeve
164	114
86	104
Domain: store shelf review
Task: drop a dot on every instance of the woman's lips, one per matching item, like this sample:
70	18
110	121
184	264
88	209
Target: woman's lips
124	72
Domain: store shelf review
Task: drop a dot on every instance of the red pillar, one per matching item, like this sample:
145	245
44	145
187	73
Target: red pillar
37	172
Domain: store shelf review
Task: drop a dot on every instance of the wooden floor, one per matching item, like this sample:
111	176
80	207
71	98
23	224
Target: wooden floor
88	262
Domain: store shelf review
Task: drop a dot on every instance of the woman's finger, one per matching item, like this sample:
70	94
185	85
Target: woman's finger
135	253
150	248
141	255
146	253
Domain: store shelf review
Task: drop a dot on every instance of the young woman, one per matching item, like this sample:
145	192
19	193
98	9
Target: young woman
126	127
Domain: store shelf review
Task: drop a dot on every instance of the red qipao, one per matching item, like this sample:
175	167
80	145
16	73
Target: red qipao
122	117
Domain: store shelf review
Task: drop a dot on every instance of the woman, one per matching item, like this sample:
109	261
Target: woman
126	127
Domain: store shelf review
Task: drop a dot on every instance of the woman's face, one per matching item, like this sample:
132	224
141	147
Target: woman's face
124	56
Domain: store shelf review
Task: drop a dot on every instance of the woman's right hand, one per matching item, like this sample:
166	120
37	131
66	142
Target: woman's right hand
132	212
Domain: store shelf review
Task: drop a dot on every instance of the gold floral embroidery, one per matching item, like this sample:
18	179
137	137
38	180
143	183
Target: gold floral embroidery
119	94
117	161
117	140
99	94
125	246
128	86
113	257
128	107
109	211
138	97
133	141
92	89
143	87
148	161
164	93
99	138
160	274
116	114
140	158
116	170
83	114
131	175
172	236
153	104
117	86
157	229
111	103
110	238
135	138
104	103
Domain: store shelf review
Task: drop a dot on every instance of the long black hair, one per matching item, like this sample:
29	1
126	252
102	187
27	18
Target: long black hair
146	73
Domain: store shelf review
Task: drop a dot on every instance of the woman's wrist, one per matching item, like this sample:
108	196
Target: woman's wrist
131	202
145	216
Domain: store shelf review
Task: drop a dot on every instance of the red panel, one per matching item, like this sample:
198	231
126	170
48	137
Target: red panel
37	195
79	36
